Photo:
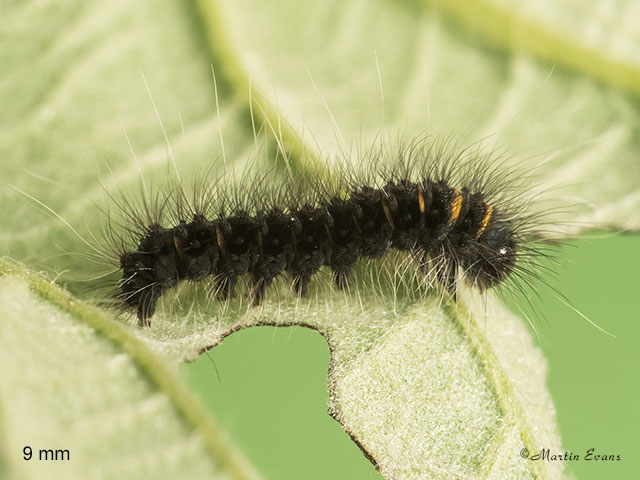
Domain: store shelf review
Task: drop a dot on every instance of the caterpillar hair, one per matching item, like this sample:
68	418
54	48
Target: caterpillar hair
456	211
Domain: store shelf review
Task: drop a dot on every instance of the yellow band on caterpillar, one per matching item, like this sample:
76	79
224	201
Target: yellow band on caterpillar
420	199
456	206
387	212
219	239
485	220
176	244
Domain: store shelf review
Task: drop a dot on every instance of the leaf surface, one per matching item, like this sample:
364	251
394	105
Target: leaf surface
427	389
99	403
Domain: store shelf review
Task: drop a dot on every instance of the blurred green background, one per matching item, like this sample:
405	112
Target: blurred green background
271	394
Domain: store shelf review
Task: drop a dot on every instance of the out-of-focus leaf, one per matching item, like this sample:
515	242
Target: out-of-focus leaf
99	404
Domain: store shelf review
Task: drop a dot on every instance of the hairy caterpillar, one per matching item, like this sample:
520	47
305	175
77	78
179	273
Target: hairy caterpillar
452	209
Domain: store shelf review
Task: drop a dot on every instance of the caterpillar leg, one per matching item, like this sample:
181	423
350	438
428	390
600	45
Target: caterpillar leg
147	301
259	289
301	285
341	278
226	287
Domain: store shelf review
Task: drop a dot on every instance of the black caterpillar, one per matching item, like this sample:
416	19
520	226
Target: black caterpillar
430	218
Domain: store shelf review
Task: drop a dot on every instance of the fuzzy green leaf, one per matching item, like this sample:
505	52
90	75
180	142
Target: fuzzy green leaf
427	391
79	384
552	87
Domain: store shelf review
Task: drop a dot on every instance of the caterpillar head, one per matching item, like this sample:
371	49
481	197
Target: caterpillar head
148	272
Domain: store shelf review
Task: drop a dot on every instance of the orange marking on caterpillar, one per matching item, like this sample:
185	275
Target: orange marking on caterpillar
485	221
420	199
220	240
387	213
176	244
